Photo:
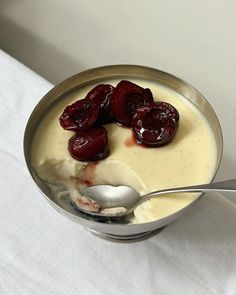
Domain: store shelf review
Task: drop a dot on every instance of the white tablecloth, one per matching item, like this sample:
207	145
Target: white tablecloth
41	252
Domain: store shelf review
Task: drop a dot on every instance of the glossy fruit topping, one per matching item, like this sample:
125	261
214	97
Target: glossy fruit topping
155	124
102	95
90	145
127	97
80	115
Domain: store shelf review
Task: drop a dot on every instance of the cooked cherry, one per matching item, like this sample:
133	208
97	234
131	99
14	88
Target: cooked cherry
155	124
102	95
80	115
127	97
90	145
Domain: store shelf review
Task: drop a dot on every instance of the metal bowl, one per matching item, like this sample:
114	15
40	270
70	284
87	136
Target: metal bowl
117	231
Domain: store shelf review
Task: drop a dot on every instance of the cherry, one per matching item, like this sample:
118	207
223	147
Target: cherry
89	145
80	115
127	97
155	124
102	95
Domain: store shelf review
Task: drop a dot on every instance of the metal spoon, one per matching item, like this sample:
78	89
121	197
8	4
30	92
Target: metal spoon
119	201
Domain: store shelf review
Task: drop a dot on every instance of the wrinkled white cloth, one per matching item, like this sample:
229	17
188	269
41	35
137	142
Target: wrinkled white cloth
41	252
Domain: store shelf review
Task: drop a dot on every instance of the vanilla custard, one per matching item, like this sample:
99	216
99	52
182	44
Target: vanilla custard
190	158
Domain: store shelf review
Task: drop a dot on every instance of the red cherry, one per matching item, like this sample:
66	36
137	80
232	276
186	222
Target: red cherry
127	97
90	145
80	115
155	124
102	95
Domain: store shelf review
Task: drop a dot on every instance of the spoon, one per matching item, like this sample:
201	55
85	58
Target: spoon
119	201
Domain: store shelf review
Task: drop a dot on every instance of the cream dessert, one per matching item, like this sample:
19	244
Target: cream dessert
190	158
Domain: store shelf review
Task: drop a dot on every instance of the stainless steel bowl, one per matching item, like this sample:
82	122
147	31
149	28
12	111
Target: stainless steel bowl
115	231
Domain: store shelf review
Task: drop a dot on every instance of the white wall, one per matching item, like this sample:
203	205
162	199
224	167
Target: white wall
60	37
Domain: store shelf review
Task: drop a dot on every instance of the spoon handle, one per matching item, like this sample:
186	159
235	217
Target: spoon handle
227	185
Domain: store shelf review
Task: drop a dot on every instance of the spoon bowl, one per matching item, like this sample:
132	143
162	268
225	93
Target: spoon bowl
109	196
119	201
